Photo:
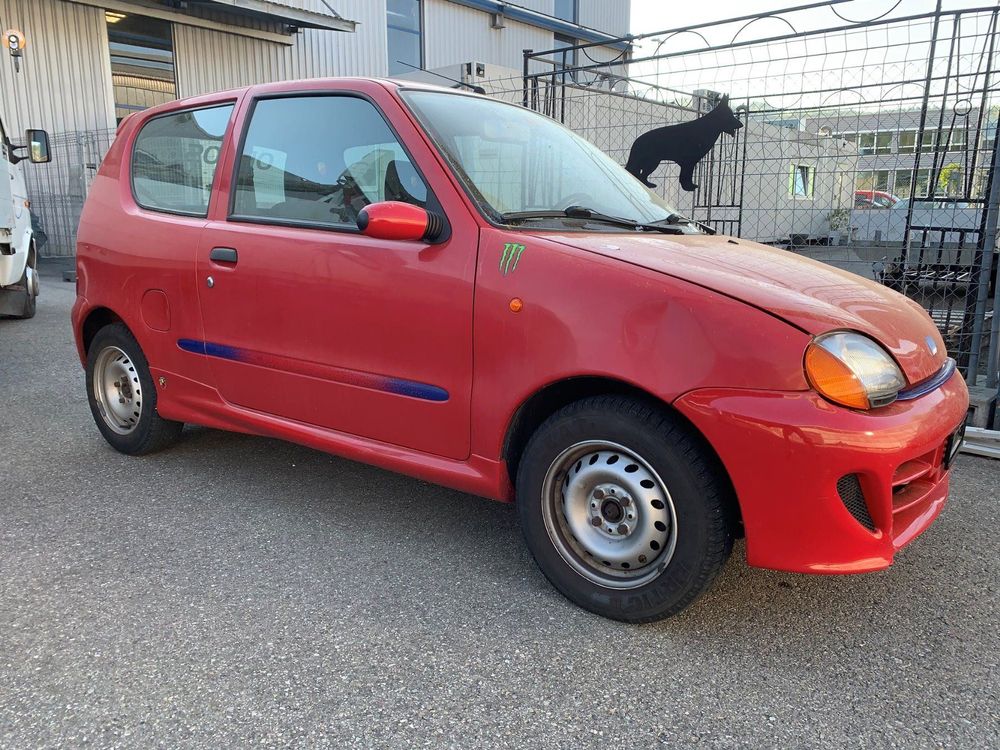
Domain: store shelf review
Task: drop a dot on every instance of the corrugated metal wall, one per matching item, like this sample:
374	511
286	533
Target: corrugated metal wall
68	52
65	83
609	16
210	61
456	34
65	78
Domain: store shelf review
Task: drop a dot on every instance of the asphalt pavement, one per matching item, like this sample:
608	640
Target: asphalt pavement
236	591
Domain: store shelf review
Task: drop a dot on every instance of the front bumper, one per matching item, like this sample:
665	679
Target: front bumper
786	451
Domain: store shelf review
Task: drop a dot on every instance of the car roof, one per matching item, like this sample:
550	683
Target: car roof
293	86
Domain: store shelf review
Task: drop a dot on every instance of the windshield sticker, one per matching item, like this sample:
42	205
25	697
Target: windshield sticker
511	255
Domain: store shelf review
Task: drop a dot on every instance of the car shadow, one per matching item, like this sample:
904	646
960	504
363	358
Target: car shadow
470	536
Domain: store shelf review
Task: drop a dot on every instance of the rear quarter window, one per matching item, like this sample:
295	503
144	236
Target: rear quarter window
174	160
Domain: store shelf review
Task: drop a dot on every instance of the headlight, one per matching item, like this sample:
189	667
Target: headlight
852	370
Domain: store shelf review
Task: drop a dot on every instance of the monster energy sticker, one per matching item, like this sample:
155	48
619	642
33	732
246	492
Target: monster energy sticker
511	255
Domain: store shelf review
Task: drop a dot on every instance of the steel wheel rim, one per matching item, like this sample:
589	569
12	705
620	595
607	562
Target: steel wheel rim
117	390
608	514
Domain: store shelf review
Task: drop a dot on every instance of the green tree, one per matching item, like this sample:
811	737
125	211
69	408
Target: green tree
950	181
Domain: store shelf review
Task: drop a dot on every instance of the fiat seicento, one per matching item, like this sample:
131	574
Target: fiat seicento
463	290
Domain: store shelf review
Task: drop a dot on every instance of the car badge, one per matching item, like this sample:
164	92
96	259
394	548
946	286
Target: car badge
931	345
510	258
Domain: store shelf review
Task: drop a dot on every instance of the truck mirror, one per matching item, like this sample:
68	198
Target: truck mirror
38	146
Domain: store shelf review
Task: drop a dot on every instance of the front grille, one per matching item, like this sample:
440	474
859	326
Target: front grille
849	489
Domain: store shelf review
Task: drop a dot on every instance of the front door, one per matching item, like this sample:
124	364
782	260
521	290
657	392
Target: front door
309	320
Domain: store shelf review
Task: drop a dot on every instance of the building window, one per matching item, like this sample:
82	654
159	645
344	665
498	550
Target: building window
956	139
567	10
142	62
907	141
174	160
565	58
405	42
875	179
902	183
801	180
874	143
948	140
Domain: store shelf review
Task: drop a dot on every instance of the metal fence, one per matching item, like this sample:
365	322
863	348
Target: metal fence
58	189
867	143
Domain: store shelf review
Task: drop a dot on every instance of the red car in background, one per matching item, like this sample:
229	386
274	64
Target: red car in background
463	290
874	199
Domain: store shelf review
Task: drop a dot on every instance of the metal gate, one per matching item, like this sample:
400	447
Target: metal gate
868	143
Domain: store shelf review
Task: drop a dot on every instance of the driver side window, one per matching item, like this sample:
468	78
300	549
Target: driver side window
320	160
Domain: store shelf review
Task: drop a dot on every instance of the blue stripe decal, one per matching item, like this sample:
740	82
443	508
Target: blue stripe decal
208	348
416	390
934	381
370	380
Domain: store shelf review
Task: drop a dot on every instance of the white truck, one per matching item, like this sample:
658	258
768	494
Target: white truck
18	255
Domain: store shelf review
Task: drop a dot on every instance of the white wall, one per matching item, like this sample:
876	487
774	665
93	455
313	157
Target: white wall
65	78
609	16
456	34
210	61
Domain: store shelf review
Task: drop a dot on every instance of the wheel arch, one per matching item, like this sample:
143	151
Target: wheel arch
545	402
97	319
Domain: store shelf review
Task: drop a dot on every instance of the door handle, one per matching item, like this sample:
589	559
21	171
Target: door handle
224	255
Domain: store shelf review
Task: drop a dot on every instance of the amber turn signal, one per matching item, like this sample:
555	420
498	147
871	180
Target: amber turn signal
853	370
834	379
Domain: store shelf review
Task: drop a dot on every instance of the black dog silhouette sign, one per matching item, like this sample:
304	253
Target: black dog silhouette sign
685	144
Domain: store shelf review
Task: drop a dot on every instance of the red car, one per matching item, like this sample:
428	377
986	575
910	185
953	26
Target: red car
874	199
462	290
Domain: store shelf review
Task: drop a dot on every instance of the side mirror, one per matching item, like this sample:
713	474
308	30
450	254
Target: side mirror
394	220
38	146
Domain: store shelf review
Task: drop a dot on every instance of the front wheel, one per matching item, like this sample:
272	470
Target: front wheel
623	508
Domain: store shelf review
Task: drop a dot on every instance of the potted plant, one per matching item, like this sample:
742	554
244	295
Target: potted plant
839	220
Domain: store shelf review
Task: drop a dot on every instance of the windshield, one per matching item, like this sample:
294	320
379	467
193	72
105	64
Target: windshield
514	160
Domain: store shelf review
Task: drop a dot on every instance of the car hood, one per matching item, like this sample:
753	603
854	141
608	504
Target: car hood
810	295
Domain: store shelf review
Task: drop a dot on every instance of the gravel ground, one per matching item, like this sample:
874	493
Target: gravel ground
236	591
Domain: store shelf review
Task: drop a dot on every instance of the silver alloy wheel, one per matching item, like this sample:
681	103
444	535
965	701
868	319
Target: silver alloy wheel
608	514
117	390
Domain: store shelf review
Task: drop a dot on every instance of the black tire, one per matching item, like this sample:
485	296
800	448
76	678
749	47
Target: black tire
29	298
150	431
697	489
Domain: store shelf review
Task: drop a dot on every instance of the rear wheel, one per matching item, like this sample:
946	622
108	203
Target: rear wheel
122	395
623	508
27	290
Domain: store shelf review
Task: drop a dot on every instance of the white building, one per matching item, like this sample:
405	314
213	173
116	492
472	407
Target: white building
89	63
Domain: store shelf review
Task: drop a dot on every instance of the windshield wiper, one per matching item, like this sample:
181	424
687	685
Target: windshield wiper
580	212
675	219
